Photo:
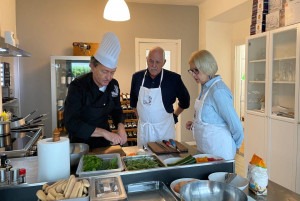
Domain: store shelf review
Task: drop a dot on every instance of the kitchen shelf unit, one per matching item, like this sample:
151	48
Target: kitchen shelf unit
63	70
130	121
272	128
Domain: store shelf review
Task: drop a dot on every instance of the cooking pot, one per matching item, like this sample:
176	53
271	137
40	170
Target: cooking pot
4	128
18	122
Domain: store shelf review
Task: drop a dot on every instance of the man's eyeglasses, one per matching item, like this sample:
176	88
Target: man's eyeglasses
193	71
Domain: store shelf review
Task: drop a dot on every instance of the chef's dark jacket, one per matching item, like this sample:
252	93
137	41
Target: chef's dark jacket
172	87
86	107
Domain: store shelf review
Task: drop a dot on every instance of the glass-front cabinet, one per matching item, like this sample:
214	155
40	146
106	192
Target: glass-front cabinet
256	75
272	107
284	71
63	70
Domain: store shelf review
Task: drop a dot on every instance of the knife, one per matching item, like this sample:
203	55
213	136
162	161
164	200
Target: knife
168	144
173	143
162	146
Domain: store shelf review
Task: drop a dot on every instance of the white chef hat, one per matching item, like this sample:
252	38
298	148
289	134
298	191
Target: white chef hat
108	51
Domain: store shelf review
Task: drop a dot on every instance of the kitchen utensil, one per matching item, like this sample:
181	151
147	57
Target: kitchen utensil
18	122
168	144
238	181
36	118
4	128
175	182
77	150
161	145
156	148
211	190
173	143
149	191
229	177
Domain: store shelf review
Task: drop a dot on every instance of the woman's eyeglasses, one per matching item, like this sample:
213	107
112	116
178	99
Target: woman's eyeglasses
193	71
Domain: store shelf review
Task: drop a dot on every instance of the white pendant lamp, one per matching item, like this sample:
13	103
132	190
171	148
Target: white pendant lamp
116	10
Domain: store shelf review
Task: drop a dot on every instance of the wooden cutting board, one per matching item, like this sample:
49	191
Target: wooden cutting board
161	148
108	150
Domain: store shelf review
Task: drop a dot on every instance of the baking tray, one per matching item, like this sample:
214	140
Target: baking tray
107	188
153	157
149	191
81	173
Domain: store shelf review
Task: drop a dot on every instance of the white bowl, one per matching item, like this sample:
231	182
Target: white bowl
238	181
173	184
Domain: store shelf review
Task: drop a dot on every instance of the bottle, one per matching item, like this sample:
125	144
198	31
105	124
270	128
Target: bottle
60	119
63	78
22	175
69	77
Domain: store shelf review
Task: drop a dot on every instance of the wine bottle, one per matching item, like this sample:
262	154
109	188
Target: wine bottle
69	77
63	77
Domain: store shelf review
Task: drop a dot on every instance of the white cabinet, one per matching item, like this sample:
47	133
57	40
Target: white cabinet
63	70
272	106
255	139
282	143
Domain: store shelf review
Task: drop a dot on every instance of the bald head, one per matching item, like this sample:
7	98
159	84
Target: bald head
155	61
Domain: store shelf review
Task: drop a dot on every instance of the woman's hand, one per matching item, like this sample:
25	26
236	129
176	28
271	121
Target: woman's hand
189	125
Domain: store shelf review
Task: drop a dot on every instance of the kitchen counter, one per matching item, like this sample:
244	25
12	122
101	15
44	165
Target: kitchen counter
167	175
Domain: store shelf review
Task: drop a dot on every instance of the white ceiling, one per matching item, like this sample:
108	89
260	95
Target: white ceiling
170	2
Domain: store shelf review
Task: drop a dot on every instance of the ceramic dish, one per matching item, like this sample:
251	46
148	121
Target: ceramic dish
173	184
238	181
210	157
172	160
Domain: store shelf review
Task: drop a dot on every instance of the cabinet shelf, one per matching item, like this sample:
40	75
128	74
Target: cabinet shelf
257	61
284	58
257	82
284	82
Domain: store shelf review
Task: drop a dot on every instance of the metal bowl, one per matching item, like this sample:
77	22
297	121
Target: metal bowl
211	190
77	150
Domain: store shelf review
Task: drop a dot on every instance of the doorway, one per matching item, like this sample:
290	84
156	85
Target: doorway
239	88
239	85
172	50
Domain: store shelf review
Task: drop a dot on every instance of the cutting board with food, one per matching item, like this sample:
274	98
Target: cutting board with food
160	147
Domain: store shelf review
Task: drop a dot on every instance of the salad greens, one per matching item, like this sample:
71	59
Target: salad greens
93	163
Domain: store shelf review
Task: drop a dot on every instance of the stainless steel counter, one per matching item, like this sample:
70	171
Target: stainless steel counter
166	175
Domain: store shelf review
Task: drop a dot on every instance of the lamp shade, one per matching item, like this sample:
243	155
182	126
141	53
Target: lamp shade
116	10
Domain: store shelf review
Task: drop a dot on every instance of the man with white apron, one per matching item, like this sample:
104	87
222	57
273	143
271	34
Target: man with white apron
155	124
212	138
153	92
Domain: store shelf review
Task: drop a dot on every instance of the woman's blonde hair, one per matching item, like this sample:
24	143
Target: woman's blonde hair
204	62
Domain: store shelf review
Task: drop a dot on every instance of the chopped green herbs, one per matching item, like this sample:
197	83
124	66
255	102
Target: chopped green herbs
94	163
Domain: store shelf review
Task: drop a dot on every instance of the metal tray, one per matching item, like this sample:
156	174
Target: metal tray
107	188
151	157
149	191
81	173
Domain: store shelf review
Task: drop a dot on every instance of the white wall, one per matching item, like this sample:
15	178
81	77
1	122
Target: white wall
7	16
223	24
7	23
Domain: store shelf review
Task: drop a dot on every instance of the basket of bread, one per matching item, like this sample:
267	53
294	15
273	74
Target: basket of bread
71	189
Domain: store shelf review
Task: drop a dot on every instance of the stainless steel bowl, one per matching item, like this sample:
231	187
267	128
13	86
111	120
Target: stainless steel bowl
212	191
77	150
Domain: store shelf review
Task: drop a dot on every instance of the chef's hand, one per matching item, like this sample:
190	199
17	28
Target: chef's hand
112	137
122	133
189	125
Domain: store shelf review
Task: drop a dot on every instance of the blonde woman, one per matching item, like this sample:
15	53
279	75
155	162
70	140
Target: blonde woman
216	126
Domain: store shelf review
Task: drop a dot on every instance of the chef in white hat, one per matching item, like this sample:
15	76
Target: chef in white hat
95	96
